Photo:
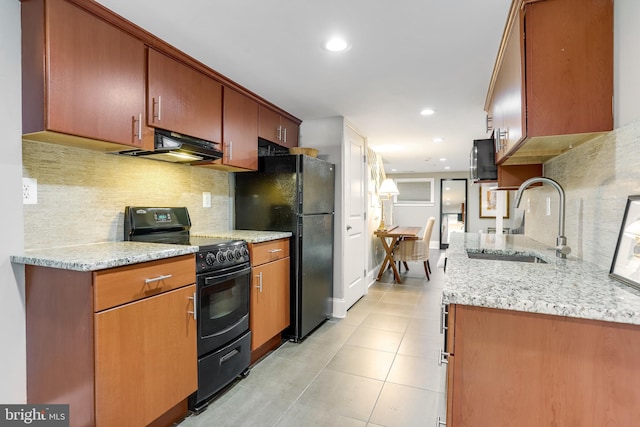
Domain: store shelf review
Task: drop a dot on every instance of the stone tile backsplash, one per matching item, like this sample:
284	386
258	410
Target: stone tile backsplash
597	177
82	194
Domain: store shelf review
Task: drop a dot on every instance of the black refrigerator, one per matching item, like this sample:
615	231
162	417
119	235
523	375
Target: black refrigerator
295	193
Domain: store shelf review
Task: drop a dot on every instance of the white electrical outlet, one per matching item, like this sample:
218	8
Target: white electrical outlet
206	199
29	191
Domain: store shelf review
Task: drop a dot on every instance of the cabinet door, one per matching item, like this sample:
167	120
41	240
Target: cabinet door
146	358
508	98
240	119
96	80
269	125
269	313
569	67
183	100
289	132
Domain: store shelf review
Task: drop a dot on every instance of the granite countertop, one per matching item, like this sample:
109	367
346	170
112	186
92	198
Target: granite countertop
564	287
99	256
250	236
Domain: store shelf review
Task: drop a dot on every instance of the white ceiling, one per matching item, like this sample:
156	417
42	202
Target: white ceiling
406	55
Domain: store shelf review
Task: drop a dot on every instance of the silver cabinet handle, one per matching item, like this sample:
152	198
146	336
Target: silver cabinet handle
279	133
157	279
157	112
440	423
443	318
285	135
443	357
137	130
230	146
259	276
273	251
195	307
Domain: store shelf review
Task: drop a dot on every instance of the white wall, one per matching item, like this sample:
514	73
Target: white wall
417	215
12	321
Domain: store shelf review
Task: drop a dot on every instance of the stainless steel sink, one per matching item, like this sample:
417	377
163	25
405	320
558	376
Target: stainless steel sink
505	257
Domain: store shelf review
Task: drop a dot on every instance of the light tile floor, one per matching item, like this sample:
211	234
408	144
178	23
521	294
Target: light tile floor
376	367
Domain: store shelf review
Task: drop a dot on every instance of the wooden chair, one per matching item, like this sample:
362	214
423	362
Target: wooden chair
415	249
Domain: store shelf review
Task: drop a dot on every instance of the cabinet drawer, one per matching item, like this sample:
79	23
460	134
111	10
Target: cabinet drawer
264	252
121	285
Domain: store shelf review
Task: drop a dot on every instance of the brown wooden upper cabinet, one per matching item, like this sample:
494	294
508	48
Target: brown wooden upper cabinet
240	131
552	85
81	76
182	99
277	128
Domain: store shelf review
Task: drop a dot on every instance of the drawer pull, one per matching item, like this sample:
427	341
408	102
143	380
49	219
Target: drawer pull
443	317
273	251
157	279
443	357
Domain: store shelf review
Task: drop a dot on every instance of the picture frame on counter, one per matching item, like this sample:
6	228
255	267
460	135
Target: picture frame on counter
489	204
625	266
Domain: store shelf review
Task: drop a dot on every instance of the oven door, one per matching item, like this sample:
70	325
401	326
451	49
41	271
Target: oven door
223	298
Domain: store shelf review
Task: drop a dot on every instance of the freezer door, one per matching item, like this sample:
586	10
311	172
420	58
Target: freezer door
317	180
315	272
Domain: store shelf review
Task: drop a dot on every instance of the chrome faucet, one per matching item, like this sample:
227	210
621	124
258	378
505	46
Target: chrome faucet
561	241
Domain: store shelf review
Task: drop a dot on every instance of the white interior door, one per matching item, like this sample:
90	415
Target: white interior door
355	222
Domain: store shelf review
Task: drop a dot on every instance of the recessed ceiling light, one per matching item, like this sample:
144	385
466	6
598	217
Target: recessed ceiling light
447	167
427	112
443	159
336	44
438	140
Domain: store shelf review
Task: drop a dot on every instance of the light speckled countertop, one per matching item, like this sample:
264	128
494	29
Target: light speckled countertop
250	236
564	287
99	256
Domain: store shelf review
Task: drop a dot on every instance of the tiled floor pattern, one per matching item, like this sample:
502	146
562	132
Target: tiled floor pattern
376	367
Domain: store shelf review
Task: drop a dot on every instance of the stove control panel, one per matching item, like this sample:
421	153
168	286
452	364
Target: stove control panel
222	256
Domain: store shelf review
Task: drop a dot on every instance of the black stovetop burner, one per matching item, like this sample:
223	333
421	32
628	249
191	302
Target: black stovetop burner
172	226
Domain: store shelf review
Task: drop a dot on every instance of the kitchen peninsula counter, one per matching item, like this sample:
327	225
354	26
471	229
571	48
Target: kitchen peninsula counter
251	236
563	287
100	256
533	344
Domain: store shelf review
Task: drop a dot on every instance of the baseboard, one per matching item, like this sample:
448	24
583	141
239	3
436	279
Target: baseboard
339	308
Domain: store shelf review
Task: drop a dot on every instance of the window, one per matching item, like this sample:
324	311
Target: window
414	192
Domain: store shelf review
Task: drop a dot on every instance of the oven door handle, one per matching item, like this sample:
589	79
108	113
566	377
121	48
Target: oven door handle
213	279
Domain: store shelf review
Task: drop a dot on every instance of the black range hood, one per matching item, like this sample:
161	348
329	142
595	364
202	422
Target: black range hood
177	148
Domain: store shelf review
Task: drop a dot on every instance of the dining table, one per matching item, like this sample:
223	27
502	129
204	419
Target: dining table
390	238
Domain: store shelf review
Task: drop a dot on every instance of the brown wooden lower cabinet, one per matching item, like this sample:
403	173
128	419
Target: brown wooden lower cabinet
270	292
127	364
511	368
